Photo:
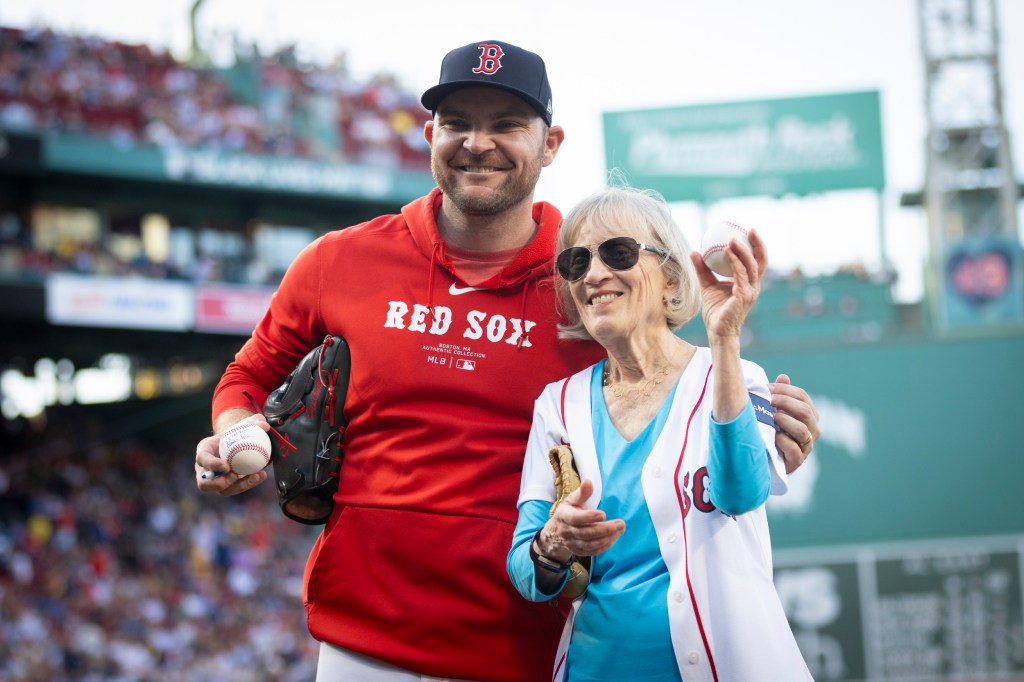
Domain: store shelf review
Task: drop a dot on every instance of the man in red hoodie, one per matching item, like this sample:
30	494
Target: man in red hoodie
449	313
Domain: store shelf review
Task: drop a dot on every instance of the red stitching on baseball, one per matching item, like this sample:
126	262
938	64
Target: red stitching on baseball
251	446
742	229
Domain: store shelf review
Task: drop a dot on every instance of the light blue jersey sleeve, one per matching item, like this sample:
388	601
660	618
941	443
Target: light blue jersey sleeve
533	514
737	464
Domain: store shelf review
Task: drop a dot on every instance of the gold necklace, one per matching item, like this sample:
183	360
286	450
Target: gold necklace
640	393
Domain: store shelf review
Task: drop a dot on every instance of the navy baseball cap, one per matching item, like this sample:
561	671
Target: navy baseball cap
495	64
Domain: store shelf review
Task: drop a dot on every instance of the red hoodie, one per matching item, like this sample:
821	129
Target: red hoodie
410	569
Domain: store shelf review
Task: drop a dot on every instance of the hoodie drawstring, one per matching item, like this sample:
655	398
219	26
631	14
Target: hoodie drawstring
430	280
522	316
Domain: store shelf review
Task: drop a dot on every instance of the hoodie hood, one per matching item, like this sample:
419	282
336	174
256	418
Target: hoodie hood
534	262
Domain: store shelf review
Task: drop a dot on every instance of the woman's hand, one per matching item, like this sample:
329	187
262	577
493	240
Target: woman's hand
725	303
576	530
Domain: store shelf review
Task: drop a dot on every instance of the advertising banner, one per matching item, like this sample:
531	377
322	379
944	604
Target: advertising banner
130	303
230	309
95	156
708	152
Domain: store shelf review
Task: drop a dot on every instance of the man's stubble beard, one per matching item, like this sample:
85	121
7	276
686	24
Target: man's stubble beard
509	193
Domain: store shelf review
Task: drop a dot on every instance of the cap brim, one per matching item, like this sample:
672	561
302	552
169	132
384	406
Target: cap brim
435	95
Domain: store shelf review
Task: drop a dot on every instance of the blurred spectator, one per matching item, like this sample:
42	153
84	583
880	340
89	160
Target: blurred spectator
113	568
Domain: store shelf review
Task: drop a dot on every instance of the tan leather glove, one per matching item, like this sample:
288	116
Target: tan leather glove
567	479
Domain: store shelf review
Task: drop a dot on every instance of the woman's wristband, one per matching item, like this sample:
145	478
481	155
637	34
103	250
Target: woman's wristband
547	563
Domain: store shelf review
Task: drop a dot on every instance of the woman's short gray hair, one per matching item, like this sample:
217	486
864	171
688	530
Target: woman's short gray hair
649	220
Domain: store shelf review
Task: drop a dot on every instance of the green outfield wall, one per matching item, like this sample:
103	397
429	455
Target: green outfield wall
899	548
921	439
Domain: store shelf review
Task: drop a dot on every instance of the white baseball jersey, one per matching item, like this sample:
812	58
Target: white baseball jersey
726	619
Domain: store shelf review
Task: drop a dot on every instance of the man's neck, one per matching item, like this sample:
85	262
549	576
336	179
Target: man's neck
510	229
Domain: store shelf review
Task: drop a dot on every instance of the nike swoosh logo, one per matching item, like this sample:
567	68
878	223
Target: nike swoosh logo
456	290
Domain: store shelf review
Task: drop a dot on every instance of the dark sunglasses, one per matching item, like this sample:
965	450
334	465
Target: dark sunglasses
618	253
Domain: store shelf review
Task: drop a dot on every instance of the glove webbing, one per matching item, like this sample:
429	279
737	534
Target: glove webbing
286	444
331	384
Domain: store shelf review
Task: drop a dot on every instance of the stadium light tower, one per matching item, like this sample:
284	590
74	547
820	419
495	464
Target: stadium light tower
970	188
197	56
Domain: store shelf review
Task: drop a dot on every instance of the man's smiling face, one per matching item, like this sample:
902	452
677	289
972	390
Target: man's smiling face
487	148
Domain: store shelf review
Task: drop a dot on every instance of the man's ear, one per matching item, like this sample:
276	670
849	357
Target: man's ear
552	142
428	131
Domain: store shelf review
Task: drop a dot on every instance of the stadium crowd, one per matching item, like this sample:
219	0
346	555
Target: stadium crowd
21	260
113	568
272	105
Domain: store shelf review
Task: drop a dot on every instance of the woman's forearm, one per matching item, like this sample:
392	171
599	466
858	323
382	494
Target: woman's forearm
730	386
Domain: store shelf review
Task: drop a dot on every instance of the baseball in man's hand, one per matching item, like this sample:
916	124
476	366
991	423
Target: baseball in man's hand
246	448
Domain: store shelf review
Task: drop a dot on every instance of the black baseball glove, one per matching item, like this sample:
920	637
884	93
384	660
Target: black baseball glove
306	415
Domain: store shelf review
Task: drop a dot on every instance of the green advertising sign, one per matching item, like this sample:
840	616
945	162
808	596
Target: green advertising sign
798	145
96	156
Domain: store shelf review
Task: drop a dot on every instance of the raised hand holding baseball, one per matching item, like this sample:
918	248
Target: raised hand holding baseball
726	303
714	245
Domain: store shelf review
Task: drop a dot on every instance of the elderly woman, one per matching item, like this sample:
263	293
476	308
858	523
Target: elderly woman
672	444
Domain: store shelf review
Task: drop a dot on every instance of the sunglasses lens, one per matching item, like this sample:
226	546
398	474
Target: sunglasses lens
620	253
573	263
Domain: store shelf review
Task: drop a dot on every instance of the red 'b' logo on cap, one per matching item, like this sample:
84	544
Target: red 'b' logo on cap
490	58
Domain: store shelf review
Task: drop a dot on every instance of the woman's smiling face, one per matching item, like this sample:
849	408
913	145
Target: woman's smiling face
614	304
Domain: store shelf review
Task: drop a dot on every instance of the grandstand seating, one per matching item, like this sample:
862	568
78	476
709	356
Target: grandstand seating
113	567
274	105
